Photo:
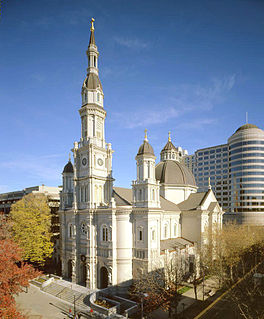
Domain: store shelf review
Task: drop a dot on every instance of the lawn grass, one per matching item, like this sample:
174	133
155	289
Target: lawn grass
183	290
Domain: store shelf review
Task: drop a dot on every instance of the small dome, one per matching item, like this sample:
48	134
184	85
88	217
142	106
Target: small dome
68	168
92	82
245	127
145	148
173	172
169	146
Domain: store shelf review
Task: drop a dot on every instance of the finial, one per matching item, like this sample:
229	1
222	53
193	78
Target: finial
146	137
169	138
209	183
92	24
69	157
246	117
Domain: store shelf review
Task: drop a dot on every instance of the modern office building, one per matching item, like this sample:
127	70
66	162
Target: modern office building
236	172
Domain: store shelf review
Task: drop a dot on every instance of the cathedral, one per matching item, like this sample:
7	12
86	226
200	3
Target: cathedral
111	235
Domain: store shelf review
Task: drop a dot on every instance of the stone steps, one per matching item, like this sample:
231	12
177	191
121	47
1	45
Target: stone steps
53	289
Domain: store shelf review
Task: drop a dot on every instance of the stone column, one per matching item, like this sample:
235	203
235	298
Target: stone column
87	284
74	271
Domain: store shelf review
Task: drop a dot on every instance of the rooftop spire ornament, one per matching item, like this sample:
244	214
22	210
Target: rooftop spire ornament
92	24
209	183
146	136
169	138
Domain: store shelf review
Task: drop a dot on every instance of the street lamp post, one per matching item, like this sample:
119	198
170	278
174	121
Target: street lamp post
142	304
74	310
203	283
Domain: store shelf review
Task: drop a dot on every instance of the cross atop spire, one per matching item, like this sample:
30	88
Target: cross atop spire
92	40
146	136
169	138
92	24
209	183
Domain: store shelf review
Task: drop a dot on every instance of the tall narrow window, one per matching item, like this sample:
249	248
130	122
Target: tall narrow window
140	237
98	97
175	230
95	62
165	231
105	233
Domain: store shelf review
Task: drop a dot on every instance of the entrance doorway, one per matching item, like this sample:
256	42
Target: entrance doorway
103	278
70	269
83	274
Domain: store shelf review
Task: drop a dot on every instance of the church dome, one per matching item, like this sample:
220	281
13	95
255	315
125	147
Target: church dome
92	82
68	168
145	148
173	172
246	126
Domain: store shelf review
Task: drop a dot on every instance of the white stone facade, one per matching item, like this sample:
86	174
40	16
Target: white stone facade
109	236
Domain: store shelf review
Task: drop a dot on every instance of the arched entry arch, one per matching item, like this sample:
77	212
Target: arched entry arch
69	269
103	278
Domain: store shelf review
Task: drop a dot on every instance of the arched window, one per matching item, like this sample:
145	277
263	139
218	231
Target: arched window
148	169
104	233
71	230
165	231
140	233
153	234
175	230
140	194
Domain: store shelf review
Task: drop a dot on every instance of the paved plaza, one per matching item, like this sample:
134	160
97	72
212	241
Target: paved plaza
38	304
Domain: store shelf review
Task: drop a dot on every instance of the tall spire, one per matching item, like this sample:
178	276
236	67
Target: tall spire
92	40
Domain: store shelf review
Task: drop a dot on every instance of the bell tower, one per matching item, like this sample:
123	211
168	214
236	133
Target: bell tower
92	155
146	190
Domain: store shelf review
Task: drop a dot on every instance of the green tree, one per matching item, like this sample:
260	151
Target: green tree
31	227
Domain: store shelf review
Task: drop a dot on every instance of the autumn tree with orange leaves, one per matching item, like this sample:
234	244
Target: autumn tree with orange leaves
14	273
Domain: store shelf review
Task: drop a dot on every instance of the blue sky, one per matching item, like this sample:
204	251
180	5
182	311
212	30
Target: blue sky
192	67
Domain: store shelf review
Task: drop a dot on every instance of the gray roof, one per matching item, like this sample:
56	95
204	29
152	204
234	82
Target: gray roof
145	148
173	172
246	126
174	243
92	82
123	197
193	201
212	206
68	168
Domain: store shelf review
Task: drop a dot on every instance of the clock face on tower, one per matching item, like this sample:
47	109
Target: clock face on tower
84	161
100	161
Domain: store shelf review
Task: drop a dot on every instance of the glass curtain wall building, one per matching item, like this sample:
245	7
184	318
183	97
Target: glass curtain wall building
236	172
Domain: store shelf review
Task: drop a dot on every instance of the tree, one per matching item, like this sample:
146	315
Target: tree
248	297
14	274
159	288
31	227
232	251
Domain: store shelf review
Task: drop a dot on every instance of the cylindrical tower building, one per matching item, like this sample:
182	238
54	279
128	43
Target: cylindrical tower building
246	174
